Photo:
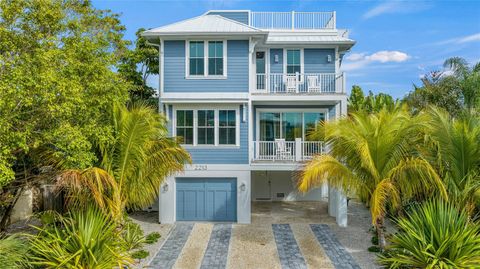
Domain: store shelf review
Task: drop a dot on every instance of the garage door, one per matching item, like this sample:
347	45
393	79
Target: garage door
206	199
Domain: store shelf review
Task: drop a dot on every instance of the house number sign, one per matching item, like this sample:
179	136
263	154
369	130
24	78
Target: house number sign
200	167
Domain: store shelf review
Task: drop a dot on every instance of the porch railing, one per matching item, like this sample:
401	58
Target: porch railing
293	20
286	151
300	83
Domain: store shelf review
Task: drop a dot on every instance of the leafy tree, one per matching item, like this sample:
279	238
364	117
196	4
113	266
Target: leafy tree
375	156
57	83
371	103
131	168
456	89
434	235
137	65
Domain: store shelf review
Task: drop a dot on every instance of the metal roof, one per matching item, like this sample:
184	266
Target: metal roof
205	24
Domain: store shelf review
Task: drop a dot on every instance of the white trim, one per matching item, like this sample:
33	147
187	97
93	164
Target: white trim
281	110
205	59
195	108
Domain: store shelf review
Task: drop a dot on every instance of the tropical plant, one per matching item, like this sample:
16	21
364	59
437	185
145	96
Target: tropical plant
84	239
132	165
371	103
434	235
13	252
152	237
453	147
374	156
132	234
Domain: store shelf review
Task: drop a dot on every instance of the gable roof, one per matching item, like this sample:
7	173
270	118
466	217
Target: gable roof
205	24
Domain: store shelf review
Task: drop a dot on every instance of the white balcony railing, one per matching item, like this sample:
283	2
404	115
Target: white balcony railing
293	20
286	151
300	83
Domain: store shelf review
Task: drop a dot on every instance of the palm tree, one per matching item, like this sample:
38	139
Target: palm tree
454	148
131	167
468	79
375	157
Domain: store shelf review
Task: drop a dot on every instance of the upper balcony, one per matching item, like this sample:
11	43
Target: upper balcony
293	20
300	83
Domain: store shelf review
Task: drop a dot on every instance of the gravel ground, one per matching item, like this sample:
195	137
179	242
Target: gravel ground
254	245
149	223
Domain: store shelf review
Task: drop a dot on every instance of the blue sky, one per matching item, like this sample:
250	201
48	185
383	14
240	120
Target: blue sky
397	41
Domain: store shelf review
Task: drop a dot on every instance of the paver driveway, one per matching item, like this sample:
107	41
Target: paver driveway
280	236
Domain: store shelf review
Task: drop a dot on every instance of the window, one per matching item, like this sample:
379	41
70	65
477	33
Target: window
227	127
184	123
293	61
197	58
215	57
206	127
288	125
206	59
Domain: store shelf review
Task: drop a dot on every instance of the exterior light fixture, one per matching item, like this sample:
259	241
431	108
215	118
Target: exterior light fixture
243	186
276	58
165	187
329	58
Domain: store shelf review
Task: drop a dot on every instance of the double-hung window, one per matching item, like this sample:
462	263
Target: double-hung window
197	58
215	58
184	123
227	127
206	59
293	61
206	127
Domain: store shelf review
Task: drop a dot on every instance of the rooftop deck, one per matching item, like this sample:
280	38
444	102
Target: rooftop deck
293	20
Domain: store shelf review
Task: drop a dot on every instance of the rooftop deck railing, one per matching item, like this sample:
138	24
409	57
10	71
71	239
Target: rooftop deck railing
293	20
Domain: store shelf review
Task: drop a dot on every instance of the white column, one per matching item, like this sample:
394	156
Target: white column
341	210
324	191
332	201
298	149
166	201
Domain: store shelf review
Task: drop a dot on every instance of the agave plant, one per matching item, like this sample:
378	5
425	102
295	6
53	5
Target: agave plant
132	165
82	239
434	235
376	157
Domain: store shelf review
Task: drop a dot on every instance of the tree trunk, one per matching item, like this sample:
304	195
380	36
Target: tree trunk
382	242
8	210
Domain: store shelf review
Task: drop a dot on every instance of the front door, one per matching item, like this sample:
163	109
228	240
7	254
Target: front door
261	75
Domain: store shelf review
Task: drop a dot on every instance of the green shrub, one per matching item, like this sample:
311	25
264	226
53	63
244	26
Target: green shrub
374	240
374	249
140	254
152	238
83	239
434	235
132	234
13	252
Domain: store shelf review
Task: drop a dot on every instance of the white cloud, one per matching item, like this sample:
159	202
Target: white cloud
395	7
460	40
359	60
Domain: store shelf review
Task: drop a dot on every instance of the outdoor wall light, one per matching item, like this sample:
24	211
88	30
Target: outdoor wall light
243	186
329	58
276	58
165	187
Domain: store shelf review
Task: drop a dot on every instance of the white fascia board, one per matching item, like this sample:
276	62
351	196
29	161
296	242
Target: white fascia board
275	166
295	98
213	96
216	167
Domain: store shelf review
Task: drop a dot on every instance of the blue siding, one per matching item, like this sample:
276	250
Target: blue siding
211	199
240	16
315	61
220	154
276	67
237	70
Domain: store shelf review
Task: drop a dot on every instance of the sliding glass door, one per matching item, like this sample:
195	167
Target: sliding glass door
288	125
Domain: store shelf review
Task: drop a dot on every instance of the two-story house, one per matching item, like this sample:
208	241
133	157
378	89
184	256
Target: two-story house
243	89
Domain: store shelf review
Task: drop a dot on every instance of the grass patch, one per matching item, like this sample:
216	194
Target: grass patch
152	238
